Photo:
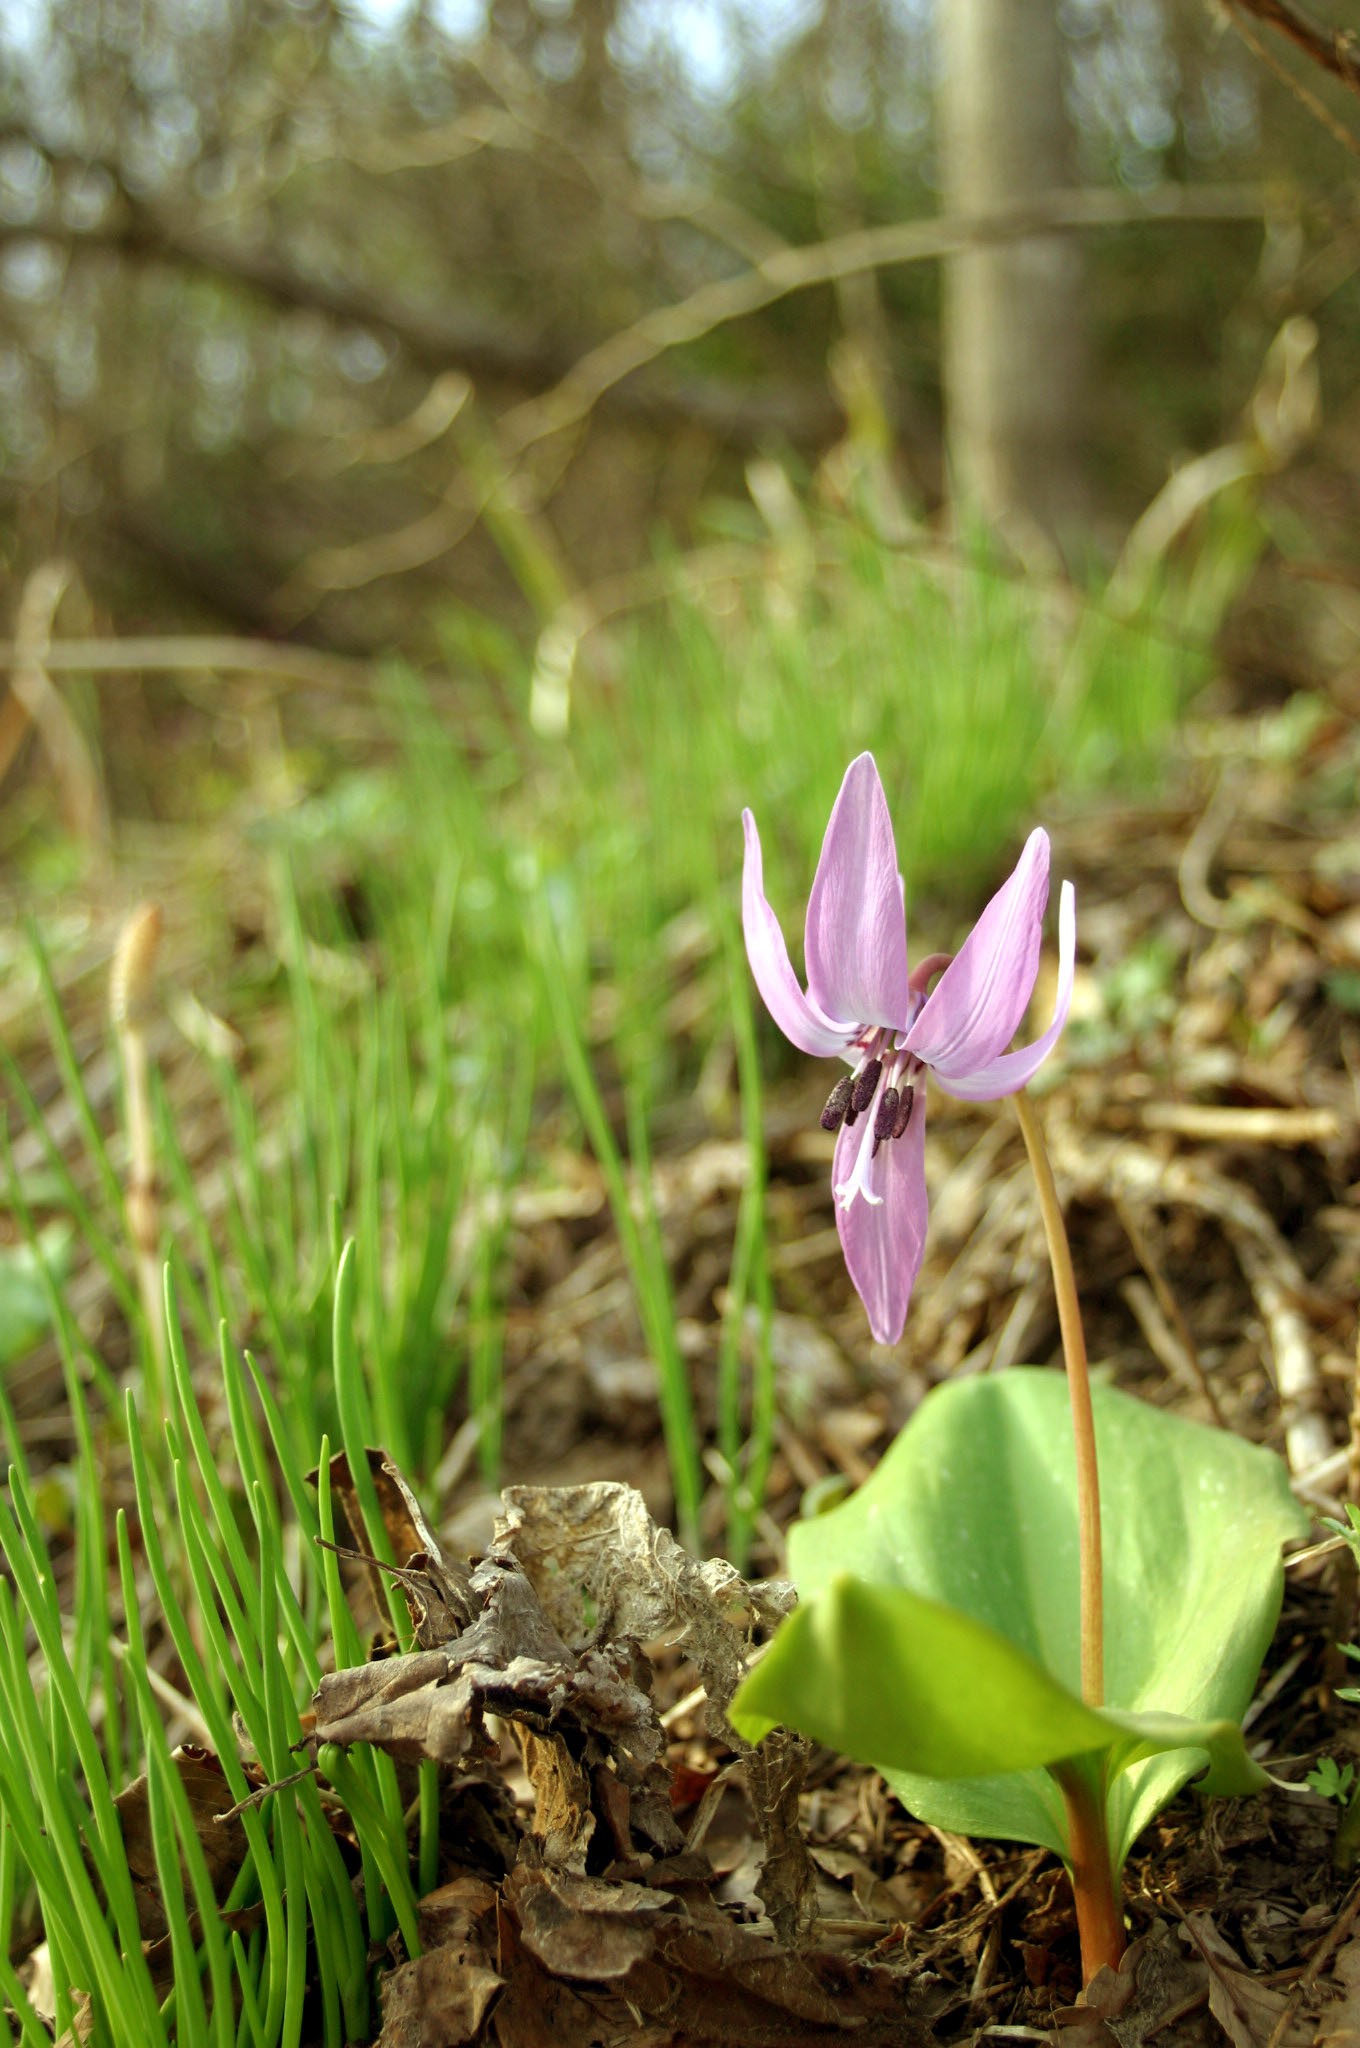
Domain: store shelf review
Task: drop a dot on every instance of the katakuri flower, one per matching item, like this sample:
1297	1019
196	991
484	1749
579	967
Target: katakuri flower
864	1005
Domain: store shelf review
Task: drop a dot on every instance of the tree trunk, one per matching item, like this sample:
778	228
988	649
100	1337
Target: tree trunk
1014	353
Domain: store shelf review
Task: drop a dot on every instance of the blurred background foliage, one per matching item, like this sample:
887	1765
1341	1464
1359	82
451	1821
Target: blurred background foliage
306	308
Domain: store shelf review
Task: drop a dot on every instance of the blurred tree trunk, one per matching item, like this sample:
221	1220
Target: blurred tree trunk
1014	341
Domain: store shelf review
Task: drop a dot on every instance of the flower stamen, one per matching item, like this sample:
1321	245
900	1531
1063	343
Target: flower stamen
865	1085
837	1103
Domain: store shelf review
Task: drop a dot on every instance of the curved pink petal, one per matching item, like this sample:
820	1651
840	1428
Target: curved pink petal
885	1243
976	1007
798	1019
856	938
1011	1071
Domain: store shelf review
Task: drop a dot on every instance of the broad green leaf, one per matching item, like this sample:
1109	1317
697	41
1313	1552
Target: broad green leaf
860	1667
971	1519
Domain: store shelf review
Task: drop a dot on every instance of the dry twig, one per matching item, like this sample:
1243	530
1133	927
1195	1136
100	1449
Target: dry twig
1337	50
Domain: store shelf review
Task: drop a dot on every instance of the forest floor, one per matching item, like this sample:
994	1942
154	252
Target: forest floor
1205	1134
1204	1118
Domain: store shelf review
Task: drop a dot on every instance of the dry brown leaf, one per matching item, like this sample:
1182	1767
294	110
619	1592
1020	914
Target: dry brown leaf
437	2001
1340	2024
576	1710
685	1980
1155	1985
441	1998
889	1901
552	1622
223	1841
564	1810
1247	2010
436	1589
603	1569
583	1927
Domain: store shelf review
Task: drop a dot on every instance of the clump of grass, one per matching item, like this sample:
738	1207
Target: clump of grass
251	1605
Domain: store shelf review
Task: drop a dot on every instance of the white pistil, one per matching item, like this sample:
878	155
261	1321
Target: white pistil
858	1183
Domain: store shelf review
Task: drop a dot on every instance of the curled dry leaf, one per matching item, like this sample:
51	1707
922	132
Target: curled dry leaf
604	1569
583	1927
544	1633
578	1580
510	1661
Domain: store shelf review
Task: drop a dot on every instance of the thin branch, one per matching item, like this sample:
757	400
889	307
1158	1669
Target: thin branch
436	342
736	412
486	350
1317	107
522	130
786	270
189	652
396	551
380	447
791	270
483	349
1337	50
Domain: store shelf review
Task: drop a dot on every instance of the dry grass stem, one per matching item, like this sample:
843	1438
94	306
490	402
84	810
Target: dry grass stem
131	995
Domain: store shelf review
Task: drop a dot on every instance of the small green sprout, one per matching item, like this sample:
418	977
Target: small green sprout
1331	1780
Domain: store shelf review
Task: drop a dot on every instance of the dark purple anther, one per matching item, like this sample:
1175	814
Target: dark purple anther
885	1119
903	1117
865	1082
837	1103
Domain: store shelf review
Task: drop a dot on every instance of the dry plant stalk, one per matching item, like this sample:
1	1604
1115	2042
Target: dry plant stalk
34	702
131	989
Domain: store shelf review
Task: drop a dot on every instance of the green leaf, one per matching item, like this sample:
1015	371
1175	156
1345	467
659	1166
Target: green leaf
25	1305
939	1635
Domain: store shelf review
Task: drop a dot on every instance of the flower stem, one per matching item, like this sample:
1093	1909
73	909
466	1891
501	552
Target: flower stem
1079	1393
1100	1922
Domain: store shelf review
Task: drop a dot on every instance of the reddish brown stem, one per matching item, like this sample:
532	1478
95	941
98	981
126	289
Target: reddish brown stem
1079	1394
1100	1921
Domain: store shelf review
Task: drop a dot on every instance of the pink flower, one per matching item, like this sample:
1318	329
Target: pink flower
865	1006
